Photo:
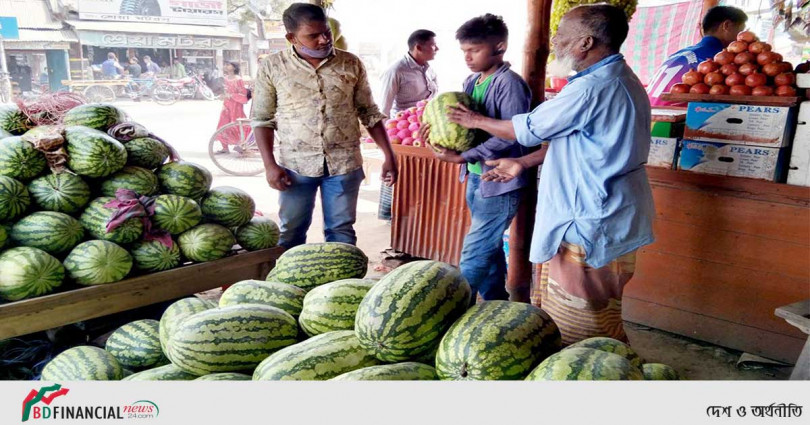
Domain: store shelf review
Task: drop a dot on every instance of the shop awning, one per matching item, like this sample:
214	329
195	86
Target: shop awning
31	39
156	36
150	28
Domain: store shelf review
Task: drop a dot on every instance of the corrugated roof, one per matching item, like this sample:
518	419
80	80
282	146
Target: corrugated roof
66	36
150	28
32	14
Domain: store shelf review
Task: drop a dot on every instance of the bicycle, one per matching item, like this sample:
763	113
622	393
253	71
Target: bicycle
158	90
244	158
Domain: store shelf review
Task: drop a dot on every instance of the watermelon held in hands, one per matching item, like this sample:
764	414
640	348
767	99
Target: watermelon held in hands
98	116
176	214
259	233
50	231
28	272
444	133
137	179
585	364
93	153
228	206
84	363
185	179
136	344
64	192
14	199
311	265
19	159
206	242
98	262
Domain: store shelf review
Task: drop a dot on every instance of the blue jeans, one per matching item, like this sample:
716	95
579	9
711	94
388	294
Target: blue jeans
483	262
338	200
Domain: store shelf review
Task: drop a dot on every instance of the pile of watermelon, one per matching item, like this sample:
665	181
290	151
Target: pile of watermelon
117	208
315	317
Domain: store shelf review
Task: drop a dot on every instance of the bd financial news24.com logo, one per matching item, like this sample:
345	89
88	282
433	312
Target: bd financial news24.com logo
37	405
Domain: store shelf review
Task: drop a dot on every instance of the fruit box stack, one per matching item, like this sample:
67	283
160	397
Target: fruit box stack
667	130
799	173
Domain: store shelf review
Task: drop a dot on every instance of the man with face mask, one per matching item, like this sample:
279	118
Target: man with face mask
594	205
306	106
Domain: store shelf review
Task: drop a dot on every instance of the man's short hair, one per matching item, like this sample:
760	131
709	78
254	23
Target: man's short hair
607	24
301	13
419	37
719	14
110	55
483	29
147	57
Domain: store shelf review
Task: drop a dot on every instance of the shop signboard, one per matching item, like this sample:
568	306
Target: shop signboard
195	12
158	41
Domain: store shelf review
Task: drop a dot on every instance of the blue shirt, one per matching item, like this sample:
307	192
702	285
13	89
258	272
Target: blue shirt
671	71
108	68
593	188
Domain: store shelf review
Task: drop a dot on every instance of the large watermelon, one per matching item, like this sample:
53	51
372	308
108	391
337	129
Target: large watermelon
178	311
497	340
225	376
230	339
52	232
259	233
20	159
14	198
311	265
611	346
316	359
333	306
585	364
154	256
28	272
136	344
92	153
95	217
659	372
176	214
99	116
98	262
280	295
146	152
408	311
83	363
65	192
408	371
137	179
13	120
185	179
444	133
228	206
167	372
206	242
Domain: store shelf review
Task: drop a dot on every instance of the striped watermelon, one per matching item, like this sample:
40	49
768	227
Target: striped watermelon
84	363
153	256
408	371
95	217
140	180
136	344
280	295
167	372
311	265
444	133
225	376
228	206
230	339
659	372
97	263
497	340
99	116
146	152
65	192
317	359
408	311
20	159
185	179
333	306
611	345
206	242
176	214
52	232
13	120
14	198
28	272
92	153
178	311
3	237
259	233
585	364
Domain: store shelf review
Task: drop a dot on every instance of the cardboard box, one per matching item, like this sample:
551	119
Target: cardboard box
738	124
667	129
724	159
799	170
663	152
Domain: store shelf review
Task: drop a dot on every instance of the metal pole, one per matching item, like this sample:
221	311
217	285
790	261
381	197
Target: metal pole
5	83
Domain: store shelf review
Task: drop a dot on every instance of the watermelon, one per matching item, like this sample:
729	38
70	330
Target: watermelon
65	192
28	272
230	339
259	233
4	134
611	346
92	153
153	256
178	311
407	312
13	120
167	372
185	179
206	242
3	237
333	306
659	372
83	363
52	232
14	198
280	295
225	376
444	133
176	214
585	364
408	371
97	263
497	340
311	265
136	344
98	116
228	206
95	217
20	159
137	179
317	359
146	152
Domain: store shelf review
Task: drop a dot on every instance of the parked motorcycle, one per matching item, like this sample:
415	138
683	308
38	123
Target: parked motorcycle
191	86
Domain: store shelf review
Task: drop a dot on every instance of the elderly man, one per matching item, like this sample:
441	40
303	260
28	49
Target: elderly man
306	105
594	207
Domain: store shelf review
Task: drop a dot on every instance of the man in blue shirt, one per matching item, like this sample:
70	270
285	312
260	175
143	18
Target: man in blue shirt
110	68
594	206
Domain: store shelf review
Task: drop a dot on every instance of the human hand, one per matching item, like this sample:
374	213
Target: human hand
424	133
278	179
389	172
463	116
505	170
447	155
